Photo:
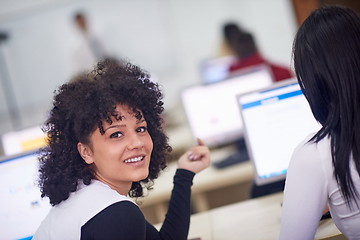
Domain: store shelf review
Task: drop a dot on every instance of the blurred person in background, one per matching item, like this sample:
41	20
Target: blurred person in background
242	45
89	49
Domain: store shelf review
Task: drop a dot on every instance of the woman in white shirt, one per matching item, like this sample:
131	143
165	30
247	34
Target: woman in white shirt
324	169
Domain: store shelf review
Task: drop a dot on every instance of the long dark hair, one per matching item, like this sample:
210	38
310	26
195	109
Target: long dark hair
326	54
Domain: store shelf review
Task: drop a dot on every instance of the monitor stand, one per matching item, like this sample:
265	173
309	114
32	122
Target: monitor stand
240	155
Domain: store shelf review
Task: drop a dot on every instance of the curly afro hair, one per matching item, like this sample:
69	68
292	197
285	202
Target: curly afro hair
80	107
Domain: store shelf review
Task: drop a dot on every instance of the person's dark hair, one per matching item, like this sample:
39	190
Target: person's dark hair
245	45
240	42
79	108
231	31
327	64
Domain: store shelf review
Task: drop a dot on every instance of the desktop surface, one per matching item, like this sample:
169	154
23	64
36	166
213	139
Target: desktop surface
238	155
255	219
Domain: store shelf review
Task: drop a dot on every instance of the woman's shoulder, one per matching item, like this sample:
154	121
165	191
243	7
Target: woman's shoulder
129	222
89	200
312	154
98	192
309	144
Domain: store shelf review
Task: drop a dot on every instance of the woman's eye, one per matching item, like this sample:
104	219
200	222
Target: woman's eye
141	129
116	135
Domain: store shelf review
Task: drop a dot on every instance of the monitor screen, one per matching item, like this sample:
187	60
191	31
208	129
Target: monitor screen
276	120
23	140
22	208
212	111
215	69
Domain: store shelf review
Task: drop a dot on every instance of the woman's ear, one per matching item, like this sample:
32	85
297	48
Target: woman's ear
85	152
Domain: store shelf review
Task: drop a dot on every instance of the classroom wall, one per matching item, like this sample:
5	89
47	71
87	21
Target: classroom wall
167	37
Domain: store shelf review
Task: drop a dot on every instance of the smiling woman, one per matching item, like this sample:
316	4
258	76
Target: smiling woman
106	143
121	155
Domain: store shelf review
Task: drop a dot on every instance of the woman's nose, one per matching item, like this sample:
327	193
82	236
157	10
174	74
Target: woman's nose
135	142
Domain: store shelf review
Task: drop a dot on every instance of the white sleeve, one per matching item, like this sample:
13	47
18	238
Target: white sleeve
305	194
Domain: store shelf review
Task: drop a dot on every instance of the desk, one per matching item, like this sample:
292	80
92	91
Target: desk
207	180
256	219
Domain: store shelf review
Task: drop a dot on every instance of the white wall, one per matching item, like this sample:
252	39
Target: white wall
167	37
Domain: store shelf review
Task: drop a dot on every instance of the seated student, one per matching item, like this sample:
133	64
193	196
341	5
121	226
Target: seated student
106	143
324	169
242	45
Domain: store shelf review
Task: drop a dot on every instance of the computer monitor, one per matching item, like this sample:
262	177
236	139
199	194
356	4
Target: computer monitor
215	69
212	110
22	208
276	120
23	140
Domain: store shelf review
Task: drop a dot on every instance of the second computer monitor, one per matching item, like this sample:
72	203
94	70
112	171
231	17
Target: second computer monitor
276	120
212	110
22	208
215	69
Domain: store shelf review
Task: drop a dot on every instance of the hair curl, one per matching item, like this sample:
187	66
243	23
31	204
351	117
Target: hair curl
79	108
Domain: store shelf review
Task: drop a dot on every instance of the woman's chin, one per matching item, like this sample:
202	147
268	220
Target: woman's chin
141	176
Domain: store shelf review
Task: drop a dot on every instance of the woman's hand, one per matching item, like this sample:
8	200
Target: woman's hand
196	159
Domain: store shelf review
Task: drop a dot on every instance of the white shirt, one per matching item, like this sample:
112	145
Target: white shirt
310	185
65	220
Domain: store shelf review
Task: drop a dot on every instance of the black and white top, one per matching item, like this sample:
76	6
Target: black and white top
98	212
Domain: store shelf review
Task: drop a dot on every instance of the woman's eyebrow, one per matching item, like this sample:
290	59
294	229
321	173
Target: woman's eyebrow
115	126
140	121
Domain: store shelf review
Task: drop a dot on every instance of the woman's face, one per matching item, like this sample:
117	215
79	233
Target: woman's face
122	154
